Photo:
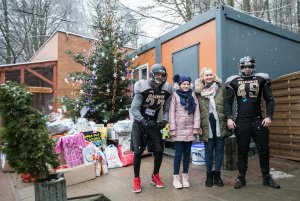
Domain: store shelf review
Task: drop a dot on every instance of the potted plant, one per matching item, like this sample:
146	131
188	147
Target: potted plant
27	145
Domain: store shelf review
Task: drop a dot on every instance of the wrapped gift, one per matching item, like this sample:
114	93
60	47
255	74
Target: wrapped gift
78	174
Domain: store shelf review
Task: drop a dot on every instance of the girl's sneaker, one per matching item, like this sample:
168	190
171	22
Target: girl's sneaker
185	180
176	181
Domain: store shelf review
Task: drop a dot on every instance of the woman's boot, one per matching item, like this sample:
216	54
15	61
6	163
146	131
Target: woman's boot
217	179
209	179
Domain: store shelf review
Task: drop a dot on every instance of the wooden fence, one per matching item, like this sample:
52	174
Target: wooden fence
285	129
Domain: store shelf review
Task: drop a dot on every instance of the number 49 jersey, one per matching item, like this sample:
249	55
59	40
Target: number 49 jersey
152	100
248	92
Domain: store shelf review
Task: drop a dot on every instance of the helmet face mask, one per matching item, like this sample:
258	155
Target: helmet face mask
158	74
247	66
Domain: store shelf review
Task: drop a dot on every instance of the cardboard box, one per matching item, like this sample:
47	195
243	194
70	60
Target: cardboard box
78	174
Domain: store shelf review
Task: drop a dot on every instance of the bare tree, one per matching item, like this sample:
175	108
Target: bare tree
26	25
298	14
10	43
246	5
172	13
230	3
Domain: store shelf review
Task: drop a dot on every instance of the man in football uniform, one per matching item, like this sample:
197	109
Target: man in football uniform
249	88
150	96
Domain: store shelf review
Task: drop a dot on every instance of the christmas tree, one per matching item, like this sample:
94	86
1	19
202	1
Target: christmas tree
104	87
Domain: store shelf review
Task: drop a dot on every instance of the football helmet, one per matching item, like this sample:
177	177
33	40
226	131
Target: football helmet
244	63
158	74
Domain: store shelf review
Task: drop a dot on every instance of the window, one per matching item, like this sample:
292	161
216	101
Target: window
141	72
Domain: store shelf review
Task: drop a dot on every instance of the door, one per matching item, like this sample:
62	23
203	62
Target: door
186	62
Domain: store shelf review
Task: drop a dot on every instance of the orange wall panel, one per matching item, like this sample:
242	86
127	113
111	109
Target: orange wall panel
205	35
147	57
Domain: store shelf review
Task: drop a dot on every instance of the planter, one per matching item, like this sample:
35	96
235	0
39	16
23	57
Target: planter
51	189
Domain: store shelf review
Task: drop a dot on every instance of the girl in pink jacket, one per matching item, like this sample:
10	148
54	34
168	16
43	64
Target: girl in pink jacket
184	120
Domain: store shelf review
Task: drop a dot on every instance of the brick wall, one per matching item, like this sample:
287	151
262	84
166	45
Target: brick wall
65	63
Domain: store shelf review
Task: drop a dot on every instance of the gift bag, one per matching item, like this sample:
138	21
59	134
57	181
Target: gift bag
166	132
126	156
112	157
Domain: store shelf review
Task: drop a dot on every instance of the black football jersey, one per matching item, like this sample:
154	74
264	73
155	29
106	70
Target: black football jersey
152	101
249	92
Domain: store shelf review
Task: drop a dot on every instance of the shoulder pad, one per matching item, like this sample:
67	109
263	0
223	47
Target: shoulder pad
141	86
264	75
167	87
228	81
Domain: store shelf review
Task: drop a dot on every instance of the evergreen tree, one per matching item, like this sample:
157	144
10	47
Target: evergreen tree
28	146
104	83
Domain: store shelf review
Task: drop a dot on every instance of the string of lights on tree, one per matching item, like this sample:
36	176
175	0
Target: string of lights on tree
102	86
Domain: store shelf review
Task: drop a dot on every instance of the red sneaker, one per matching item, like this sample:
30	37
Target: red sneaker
137	185
156	181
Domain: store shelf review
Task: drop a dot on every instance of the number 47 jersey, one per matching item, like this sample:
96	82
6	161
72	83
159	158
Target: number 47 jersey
248	92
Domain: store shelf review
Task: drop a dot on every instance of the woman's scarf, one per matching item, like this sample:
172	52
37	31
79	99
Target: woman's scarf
187	100
209	91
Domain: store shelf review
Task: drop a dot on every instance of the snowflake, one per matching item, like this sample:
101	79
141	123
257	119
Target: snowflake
115	75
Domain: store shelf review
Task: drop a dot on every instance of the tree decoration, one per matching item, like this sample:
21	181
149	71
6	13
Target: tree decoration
105	67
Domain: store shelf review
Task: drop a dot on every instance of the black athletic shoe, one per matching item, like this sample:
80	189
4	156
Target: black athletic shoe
268	181
240	182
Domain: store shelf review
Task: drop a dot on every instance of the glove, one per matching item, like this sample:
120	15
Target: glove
148	124
162	124
143	122
151	124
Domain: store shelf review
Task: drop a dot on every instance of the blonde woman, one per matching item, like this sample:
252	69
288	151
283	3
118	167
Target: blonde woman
210	94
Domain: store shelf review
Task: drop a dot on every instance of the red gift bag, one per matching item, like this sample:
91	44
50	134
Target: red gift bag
126	156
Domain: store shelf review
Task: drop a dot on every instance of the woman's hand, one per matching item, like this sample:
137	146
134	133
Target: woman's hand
231	124
173	133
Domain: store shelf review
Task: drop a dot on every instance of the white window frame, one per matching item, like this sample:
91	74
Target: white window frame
140	68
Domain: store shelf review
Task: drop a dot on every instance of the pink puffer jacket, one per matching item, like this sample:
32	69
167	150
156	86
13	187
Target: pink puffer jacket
182	123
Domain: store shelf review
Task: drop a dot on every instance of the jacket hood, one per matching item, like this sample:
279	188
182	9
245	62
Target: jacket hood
199	84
